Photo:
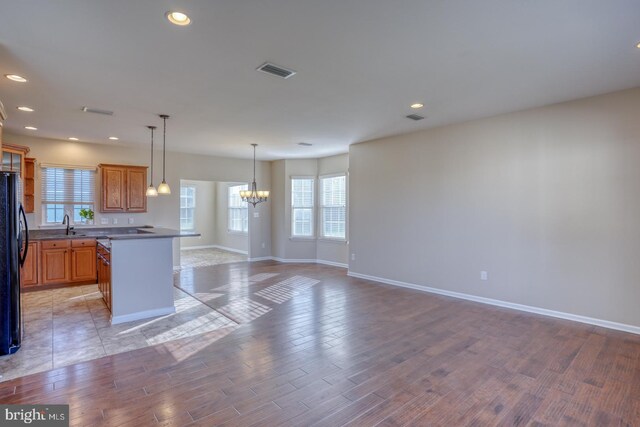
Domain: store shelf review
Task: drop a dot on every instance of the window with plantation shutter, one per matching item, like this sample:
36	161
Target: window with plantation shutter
302	207
238	217
66	190
333	207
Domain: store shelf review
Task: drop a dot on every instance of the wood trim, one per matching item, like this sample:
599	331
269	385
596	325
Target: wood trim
21	149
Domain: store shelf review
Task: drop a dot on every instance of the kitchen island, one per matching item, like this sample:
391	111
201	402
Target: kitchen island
140	273
134	265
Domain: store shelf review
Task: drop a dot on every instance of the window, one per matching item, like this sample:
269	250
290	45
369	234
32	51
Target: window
187	207
302	204
333	207
66	190
238	210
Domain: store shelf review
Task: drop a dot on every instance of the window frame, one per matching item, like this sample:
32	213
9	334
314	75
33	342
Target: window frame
192	208
243	207
321	207
312	207
68	207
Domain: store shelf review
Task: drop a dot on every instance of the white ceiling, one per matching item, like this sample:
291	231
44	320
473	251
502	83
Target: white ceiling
360	64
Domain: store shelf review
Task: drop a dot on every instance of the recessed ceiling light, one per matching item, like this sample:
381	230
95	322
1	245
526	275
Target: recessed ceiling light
638	45
73	138
417	105
25	109
113	138
16	78
30	128
178	18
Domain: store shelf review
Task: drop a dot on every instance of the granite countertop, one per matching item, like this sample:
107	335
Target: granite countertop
116	233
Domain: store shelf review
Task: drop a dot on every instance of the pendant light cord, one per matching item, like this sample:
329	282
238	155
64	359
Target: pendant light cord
254	162
164	146
152	128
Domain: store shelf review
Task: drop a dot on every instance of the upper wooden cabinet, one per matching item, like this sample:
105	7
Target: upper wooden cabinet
123	188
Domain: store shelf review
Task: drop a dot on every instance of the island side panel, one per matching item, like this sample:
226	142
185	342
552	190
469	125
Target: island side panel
141	279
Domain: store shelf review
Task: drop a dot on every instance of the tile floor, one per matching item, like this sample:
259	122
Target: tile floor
190	258
69	325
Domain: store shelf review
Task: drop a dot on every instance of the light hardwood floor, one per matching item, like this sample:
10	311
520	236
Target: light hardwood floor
315	347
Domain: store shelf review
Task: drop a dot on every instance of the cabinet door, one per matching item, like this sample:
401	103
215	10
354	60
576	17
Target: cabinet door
136	189
113	189
29	271
83	264
55	266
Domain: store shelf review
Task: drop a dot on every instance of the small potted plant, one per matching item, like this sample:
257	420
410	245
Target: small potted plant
86	215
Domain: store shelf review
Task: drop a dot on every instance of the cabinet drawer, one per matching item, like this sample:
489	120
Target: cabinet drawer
83	243
55	244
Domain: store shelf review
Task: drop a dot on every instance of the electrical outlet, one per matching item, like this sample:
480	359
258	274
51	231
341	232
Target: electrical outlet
263	245
256	214
104	221
484	275
130	220
114	221
353	257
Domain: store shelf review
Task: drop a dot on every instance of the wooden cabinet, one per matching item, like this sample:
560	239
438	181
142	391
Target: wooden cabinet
29	271
54	256
104	273
123	188
29	184
83	260
13	159
68	261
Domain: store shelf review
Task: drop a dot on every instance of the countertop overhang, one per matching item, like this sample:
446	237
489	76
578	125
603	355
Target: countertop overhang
120	233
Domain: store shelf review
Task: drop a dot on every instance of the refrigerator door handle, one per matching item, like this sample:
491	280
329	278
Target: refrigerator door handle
23	254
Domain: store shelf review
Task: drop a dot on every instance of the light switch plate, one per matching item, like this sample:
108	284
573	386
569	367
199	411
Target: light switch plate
114	221
104	221
256	214
130	220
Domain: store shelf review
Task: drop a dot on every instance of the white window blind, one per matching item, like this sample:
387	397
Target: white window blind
187	207
333	207
302	207
66	190
238	217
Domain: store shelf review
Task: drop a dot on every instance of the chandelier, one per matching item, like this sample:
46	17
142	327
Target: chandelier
254	196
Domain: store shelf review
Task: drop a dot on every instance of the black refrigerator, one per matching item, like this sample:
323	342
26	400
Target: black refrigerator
14	238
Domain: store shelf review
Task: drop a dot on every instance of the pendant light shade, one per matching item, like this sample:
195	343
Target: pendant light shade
164	188
151	190
254	196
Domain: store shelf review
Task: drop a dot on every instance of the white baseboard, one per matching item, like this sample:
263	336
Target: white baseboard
530	309
300	261
332	263
261	258
223	248
142	315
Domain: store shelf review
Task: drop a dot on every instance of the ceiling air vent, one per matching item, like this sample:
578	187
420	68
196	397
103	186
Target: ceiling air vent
305	144
414	117
275	70
97	111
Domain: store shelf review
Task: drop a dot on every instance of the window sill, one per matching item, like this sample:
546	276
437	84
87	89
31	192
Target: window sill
302	239
238	233
331	240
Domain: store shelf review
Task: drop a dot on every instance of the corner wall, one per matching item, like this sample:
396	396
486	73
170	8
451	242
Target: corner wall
547	201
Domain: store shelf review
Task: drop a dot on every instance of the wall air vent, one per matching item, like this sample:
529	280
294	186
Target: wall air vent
414	117
97	111
275	70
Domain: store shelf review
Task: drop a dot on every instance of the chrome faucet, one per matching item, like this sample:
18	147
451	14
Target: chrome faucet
66	220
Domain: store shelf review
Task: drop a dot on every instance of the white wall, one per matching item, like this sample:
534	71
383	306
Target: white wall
162	210
285	247
546	200
224	238
204	215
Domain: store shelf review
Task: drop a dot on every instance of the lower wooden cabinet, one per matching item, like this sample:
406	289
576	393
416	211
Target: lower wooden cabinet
66	261
55	265
104	273
83	260
29	271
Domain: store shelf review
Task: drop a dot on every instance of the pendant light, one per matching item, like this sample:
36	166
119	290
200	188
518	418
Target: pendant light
164	188
254	196
151	190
